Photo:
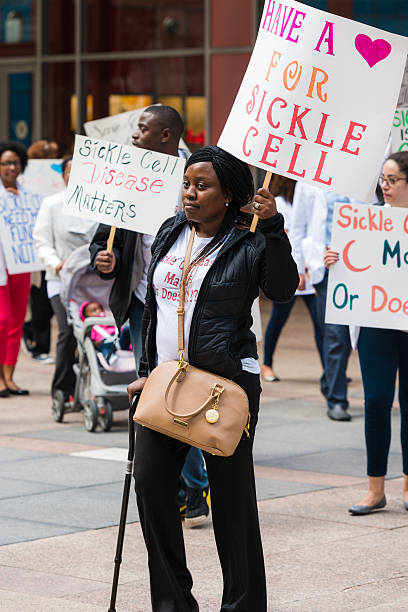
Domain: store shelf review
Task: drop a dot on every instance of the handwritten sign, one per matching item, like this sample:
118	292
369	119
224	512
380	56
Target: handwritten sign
122	185
399	132
368	286
120	127
17	220
43	176
309	106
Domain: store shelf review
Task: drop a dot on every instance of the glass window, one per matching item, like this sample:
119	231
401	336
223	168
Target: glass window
108	79
58	91
133	25
390	15
17	27
59	26
123	85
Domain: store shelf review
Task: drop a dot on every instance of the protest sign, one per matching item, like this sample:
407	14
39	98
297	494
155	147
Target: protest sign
317	100
17	220
43	176
367	286
119	128
122	186
399	132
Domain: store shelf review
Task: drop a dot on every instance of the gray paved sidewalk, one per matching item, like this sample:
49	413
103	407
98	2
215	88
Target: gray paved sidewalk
61	488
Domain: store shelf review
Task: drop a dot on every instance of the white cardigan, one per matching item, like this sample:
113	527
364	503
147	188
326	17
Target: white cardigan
57	235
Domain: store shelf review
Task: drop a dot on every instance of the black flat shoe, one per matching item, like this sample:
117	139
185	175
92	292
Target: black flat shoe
338	413
18	391
406	505
4	393
360	510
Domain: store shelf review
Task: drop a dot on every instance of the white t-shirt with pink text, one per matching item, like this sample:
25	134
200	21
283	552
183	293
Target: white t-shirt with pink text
166	285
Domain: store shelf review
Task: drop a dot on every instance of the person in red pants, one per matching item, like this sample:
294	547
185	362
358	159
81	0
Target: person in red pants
14	288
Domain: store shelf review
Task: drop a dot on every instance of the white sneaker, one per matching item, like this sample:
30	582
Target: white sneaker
44	358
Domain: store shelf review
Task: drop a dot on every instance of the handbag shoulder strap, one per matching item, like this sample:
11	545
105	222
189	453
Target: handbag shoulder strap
180	309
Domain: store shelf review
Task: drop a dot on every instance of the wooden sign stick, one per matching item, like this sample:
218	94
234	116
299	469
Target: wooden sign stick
110	239
265	185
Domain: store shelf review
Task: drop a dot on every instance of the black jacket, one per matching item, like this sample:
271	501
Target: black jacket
128	268
220	334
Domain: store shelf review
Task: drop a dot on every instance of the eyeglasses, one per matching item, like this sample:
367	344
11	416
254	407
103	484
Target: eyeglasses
8	164
391	180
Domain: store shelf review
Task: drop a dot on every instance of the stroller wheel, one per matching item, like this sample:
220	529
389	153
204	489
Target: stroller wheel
91	414
106	416
58	407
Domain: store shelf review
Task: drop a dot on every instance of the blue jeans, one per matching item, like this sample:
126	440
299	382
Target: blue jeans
106	346
280	314
383	352
194	473
135	328
336	352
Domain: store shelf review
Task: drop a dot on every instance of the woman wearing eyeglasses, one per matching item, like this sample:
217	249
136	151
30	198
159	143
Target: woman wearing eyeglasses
383	353
14	288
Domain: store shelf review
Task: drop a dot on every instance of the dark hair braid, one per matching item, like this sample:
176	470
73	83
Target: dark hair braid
236	180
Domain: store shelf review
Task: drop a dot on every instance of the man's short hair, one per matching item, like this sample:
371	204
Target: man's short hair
168	117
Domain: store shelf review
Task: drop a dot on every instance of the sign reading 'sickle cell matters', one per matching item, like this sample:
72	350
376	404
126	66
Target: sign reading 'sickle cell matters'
122	185
367	286
318	98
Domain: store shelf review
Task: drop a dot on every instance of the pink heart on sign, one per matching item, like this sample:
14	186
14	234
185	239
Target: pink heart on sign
373	51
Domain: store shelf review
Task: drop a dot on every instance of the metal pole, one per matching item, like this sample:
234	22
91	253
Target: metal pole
125	503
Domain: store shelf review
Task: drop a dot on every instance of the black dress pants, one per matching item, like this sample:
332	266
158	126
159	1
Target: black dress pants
158	464
37	331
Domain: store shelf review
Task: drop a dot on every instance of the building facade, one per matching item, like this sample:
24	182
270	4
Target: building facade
63	62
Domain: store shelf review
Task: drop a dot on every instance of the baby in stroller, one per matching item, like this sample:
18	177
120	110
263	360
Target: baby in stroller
105	337
100	381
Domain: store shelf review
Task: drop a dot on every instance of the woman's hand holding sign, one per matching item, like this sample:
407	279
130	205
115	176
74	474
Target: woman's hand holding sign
330	257
105	262
264	204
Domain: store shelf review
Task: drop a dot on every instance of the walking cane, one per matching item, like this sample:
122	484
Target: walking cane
125	503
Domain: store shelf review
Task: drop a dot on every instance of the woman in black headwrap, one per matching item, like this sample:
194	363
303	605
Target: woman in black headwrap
231	263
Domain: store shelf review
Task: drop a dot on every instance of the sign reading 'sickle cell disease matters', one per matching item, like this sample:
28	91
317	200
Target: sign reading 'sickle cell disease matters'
122	185
318	98
17	220
367	286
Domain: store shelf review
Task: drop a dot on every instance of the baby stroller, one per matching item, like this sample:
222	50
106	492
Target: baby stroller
99	391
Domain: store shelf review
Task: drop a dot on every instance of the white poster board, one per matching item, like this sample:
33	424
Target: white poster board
119	128
123	186
399	132
43	176
17	220
317	101
368	285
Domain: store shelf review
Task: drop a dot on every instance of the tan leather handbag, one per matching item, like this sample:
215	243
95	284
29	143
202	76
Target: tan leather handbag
197	407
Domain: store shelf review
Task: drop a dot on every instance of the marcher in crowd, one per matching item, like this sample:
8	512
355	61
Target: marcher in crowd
383	353
56	236
14	288
37	331
283	189
159	129
310	235
216	186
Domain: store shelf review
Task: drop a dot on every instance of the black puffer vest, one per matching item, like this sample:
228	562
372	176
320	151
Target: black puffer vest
220	333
